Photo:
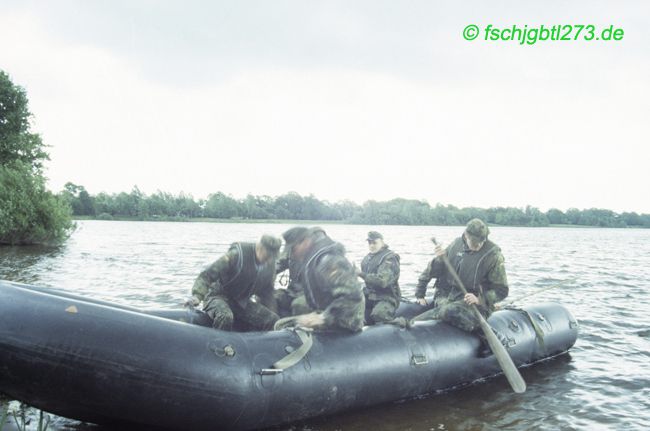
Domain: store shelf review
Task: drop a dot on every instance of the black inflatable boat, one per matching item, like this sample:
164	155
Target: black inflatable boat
108	364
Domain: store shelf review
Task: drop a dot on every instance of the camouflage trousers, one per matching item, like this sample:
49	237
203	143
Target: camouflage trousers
380	311
289	304
456	313
226	313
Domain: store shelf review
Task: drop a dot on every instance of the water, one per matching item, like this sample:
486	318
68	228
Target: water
601	275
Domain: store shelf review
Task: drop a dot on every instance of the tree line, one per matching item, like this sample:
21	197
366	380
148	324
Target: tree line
292	206
29	213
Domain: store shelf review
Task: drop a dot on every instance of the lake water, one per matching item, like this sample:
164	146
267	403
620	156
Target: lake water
601	275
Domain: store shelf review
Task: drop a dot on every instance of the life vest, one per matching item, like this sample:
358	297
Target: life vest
249	275
472	268
371	263
318	297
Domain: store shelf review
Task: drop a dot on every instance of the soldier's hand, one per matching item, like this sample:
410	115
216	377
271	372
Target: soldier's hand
422	301
439	250
471	299
311	320
192	302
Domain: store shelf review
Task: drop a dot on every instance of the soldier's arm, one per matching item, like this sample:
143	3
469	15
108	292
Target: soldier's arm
433	270
212	274
346	309
265	294
387	274
497	289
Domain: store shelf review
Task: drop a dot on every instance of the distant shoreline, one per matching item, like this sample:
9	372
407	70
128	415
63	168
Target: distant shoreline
319	222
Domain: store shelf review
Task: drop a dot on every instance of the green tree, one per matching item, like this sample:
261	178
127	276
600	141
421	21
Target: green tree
105	205
185	206
289	206
220	205
555	216
29	213
535	217
258	207
79	199
632	219
17	142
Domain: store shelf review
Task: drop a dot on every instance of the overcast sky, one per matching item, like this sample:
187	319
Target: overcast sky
341	99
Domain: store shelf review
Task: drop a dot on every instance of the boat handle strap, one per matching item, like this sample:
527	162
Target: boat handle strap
296	356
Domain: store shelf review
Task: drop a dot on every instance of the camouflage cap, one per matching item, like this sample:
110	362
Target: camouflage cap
478	229
373	235
295	235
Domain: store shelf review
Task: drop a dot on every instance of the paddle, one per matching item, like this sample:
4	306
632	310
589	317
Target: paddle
500	352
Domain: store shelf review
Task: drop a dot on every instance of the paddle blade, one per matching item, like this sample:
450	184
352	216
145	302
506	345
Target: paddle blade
503	358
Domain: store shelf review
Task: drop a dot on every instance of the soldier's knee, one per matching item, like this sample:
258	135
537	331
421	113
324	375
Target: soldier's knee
382	313
459	318
427	315
464	324
222	319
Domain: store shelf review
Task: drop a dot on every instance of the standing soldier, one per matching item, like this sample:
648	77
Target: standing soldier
480	266
380	271
226	286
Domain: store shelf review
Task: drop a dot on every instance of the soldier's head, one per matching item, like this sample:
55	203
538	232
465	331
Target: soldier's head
375	241
476	233
292	238
267	248
299	239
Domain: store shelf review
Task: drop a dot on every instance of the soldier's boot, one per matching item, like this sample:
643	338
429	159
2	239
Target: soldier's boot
484	348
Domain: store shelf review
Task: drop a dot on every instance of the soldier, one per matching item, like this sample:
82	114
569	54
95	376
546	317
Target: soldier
328	279
291	301
380	271
227	285
480	266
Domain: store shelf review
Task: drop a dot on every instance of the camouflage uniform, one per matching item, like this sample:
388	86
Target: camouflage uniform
380	271
290	301
330	284
227	285
482	273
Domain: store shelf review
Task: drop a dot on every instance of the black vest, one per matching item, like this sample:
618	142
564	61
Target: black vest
472	267
370	263
249	276
317	295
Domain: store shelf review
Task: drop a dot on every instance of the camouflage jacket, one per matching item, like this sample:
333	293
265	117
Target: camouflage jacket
237	276
482	273
331	286
380	271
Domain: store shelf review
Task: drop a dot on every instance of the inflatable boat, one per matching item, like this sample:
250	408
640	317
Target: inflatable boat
104	363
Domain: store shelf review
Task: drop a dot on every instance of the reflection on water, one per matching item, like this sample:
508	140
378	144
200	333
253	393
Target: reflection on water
601	275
